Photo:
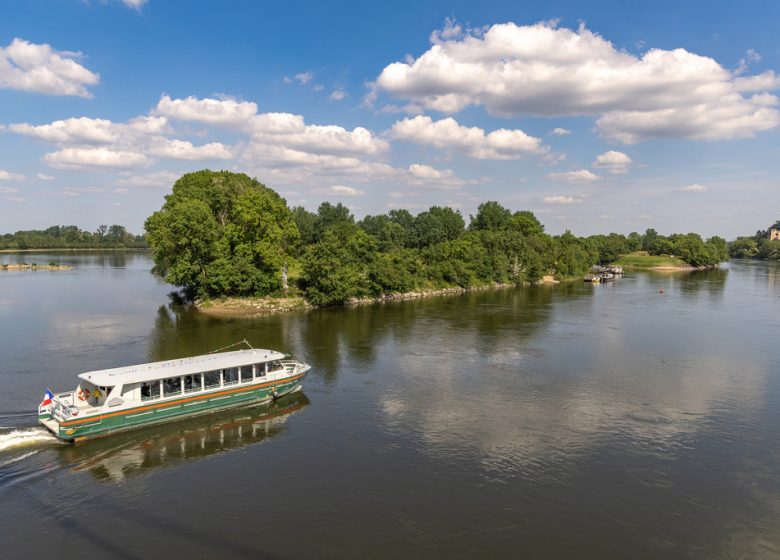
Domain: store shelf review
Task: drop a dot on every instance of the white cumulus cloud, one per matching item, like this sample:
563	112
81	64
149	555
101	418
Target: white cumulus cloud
156	179
183	149
338	94
448	134
579	176
545	70
560	131
135	4
302	78
74	158
695	188
38	68
8	176
614	162
558	199
427	176
207	110
342	190
81	129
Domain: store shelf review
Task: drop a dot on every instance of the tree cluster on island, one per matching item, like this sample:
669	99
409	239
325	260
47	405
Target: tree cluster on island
225	234
71	237
758	246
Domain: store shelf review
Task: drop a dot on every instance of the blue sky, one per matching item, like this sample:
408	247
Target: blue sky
610	116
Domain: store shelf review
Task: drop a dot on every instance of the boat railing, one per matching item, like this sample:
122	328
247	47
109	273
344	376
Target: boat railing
292	366
64	407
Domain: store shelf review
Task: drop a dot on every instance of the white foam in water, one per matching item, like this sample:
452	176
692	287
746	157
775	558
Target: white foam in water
18	458
25	437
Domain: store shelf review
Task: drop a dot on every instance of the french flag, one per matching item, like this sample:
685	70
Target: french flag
47	397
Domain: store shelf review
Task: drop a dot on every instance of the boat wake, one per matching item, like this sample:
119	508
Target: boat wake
18	458
26	437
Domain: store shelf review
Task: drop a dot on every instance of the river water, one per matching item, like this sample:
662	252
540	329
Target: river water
568	421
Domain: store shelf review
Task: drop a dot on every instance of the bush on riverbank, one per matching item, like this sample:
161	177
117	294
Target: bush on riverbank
758	246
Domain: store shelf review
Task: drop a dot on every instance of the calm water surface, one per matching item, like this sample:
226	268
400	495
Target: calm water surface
573	421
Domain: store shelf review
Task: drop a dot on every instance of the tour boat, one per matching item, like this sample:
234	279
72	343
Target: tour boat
113	400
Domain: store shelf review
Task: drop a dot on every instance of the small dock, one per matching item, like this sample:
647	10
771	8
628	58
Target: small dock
601	274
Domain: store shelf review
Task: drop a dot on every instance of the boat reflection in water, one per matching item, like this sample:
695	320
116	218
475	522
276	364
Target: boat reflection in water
124	455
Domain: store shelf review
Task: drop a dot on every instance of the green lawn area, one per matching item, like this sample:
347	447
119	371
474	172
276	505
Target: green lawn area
641	259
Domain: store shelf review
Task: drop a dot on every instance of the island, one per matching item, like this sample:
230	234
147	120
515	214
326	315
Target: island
233	246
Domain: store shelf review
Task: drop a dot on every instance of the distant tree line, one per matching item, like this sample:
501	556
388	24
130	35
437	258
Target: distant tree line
71	237
222	233
757	246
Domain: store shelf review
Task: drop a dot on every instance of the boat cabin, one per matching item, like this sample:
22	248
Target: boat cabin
172	379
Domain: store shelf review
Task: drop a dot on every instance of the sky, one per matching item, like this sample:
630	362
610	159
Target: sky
611	116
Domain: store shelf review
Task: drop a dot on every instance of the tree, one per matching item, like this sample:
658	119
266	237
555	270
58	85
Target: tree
490	216
222	233
634	241
648	239
183	241
438	224
304	221
373	225
334	271
336	218
526	223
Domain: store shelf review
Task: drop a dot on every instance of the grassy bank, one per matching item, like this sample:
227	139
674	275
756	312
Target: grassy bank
641	259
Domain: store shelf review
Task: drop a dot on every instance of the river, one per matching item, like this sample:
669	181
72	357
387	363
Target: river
638	419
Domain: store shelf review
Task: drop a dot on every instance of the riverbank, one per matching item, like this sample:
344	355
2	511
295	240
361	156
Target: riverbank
74	249
25	266
253	306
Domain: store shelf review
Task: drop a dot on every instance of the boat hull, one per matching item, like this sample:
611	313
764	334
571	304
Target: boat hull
111	422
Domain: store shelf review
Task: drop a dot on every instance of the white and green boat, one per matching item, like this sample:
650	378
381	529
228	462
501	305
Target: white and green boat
114	400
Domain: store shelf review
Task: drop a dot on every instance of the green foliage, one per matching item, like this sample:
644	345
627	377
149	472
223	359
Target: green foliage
526	223
769	250
333	271
759	246
304	221
743	248
437	224
71	237
490	216
336	218
222	233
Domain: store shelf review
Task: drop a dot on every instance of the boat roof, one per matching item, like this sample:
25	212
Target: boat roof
175	368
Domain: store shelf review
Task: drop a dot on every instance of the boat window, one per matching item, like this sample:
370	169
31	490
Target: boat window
211	379
276	365
260	370
192	383
230	376
172	386
246	374
127	391
150	390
